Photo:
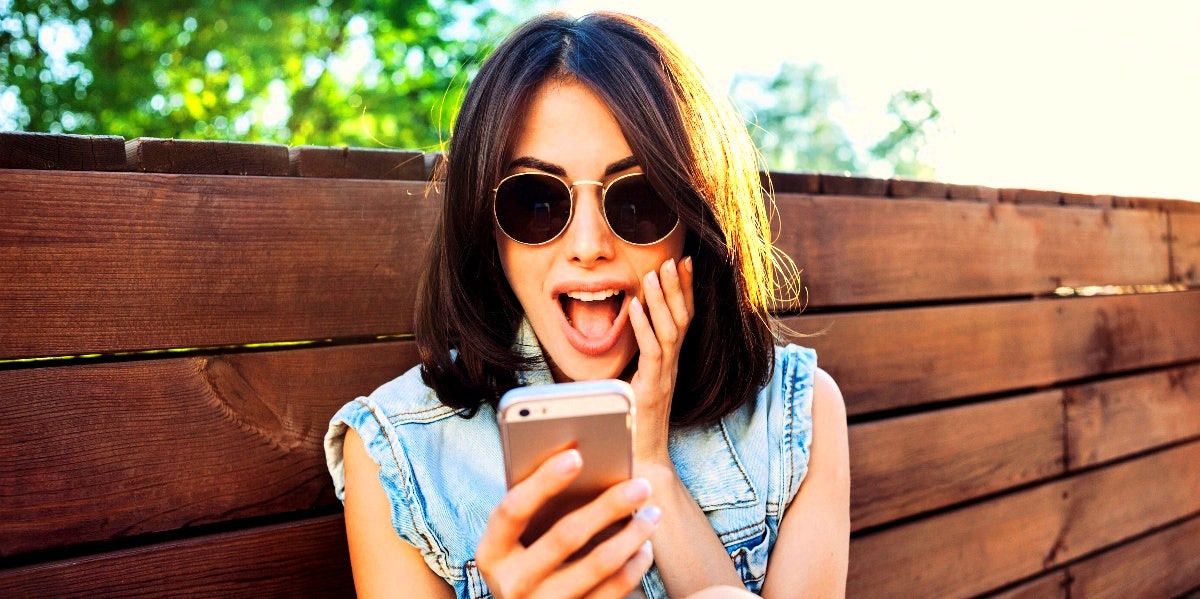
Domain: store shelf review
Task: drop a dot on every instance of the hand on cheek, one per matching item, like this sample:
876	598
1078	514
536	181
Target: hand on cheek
659	325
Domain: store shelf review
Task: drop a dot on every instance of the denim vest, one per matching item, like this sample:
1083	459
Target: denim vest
444	474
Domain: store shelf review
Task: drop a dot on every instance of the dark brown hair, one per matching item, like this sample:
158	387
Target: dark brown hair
697	155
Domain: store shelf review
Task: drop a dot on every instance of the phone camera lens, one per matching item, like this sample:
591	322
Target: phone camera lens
524	412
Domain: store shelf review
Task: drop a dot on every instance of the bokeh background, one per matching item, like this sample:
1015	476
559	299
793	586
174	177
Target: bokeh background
1088	97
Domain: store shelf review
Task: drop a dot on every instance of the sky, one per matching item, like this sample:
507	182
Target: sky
1092	97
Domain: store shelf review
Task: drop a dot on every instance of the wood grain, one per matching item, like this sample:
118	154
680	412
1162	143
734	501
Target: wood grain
885	359
857	186
912	188
960	553
113	262
308	558
47	151
1110	419
1164	564
1050	586
201	157
357	163
985	546
907	465
1030	196
866	251
973	192
1185	248
99	452
793	182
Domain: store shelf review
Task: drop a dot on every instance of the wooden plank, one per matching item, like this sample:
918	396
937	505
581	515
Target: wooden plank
301	559
191	156
973	192
911	188
1079	199
49	151
104	451
1164	564
1053	585
793	182
986	546
1110	419
357	163
960	553
113	262
1030	196
885	359
1185	248
853	186
907	465
858	251
1129	498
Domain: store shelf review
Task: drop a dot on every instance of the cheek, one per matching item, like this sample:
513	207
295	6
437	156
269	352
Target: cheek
521	269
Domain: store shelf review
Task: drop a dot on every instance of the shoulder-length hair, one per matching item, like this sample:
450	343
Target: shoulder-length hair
696	153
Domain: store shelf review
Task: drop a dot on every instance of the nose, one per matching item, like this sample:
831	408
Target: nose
588	237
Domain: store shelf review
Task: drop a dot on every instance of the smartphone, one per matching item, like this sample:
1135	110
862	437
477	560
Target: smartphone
594	417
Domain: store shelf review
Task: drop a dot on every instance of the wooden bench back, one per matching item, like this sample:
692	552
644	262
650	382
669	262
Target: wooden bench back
179	320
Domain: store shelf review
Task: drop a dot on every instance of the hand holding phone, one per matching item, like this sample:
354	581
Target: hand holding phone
595	418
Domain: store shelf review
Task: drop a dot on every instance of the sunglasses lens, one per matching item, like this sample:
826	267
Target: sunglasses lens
532	207
636	213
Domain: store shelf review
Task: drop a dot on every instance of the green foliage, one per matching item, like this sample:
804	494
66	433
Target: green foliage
358	72
792	120
914	113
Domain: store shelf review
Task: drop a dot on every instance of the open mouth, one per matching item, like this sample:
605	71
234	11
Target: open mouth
592	313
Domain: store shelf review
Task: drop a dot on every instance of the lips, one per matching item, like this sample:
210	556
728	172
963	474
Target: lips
593	315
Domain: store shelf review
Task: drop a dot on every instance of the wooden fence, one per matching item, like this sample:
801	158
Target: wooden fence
179	320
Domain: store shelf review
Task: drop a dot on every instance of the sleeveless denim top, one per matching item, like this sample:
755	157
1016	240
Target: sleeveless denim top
443	474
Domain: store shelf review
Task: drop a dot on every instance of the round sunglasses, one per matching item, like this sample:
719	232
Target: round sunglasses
535	208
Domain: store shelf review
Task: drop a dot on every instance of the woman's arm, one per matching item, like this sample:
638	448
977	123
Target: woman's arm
687	551
810	558
383	564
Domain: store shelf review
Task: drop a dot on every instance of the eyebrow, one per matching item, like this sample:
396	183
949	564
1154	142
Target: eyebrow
554	169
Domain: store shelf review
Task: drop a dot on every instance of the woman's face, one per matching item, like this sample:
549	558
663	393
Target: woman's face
566	286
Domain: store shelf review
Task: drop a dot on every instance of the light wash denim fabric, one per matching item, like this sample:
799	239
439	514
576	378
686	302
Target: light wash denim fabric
444	474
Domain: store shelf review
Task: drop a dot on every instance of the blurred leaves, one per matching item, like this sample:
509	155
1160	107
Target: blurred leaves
793	119
356	72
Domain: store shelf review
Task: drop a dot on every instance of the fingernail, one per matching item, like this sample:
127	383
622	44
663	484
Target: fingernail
687	264
652	279
650	513
569	462
637	489
669	266
647	548
634	304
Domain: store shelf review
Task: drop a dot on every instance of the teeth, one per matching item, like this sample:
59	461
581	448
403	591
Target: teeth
591	296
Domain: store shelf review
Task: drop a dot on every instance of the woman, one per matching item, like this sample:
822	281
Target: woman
602	219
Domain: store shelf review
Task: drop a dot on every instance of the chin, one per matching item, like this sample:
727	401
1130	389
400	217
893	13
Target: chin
579	367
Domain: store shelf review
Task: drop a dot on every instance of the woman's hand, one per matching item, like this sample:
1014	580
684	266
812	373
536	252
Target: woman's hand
659	328
611	569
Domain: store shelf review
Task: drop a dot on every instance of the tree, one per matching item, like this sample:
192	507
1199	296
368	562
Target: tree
791	118
358	72
914	113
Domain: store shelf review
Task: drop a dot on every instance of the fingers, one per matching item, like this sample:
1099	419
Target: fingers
618	563
574	530
669	303
510	517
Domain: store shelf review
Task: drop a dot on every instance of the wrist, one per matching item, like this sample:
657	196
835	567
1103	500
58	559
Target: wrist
660	473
